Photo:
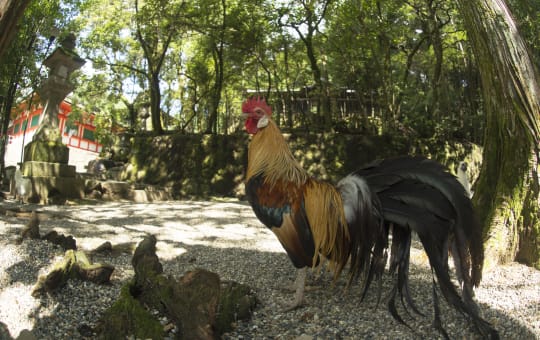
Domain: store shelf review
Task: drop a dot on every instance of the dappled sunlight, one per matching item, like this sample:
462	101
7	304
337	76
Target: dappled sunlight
20	269
168	251
14	313
223	237
218	224
181	228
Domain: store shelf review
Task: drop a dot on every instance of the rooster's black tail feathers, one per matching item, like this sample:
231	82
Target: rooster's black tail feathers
409	194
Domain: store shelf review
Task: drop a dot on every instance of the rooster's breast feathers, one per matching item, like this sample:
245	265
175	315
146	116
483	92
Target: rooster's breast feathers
280	207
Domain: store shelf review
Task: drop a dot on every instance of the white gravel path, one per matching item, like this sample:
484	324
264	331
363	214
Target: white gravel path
225	237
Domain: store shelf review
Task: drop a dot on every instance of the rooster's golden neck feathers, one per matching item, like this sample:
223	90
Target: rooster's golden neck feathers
270	155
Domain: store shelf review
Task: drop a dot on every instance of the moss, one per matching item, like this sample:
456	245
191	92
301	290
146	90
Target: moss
236	303
128	317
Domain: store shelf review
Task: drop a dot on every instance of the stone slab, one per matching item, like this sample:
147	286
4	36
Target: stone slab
44	188
145	196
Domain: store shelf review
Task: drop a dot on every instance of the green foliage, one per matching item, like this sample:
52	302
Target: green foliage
21	65
406	65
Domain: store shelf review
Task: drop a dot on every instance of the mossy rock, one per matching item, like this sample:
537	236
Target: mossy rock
74	265
236	302
127	316
193	304
198	303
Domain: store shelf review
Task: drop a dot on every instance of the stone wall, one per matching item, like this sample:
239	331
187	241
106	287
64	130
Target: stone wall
214	165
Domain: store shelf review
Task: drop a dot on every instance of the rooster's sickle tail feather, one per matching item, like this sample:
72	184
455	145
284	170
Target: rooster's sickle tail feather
416	194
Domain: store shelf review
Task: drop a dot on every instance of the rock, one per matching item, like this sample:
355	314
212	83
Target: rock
145	261
92	185
95	194
236	302
128	317
31	230
75	264
4	331
104	248
195	304
96	273
66	242
96	166
198	304
26	335
115	190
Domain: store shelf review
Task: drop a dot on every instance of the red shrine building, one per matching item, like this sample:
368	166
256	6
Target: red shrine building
78	135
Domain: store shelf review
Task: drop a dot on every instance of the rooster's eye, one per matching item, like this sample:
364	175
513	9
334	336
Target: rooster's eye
259	112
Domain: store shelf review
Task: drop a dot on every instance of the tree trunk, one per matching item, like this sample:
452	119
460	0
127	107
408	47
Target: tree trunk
155	103
11	11
216	91
507	194
323	104
219	65
438	51
5	110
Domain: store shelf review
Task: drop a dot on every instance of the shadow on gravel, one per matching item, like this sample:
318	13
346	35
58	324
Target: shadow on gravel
329	312
193	234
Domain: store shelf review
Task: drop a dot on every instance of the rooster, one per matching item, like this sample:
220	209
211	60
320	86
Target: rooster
351	223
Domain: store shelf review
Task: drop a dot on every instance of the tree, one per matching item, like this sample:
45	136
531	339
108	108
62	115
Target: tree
228	33
132	41
118	74
216	42
527	15
397	72
20	70
507	194
306	19
11	11
156	24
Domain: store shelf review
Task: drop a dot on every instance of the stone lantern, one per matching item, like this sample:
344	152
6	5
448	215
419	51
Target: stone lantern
46	157
62	62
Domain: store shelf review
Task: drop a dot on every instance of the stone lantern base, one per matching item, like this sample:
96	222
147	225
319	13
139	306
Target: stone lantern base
45	151
46	166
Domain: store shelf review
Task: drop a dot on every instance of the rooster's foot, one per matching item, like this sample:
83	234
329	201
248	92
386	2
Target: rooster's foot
293	305
300	285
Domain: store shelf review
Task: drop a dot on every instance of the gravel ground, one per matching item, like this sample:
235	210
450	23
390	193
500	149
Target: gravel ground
225	237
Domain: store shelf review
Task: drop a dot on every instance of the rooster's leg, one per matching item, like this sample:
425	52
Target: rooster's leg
319	271
300	285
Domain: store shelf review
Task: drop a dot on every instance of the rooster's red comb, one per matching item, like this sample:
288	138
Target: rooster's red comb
250	104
